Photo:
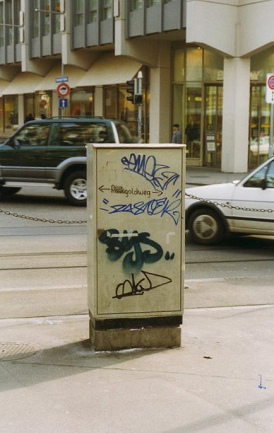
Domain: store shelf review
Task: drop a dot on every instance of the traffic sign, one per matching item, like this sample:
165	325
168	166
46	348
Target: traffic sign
63	103
270	88
63	79
63	90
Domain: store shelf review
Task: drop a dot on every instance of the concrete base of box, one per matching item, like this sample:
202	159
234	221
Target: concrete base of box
150	337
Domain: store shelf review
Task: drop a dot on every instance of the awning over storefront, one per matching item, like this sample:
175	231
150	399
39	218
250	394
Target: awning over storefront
3	85
73	73
110	69
24	82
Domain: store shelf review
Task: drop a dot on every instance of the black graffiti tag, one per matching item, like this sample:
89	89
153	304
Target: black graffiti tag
131	244
149	281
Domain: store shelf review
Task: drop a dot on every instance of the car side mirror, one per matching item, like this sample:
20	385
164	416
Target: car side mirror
264	183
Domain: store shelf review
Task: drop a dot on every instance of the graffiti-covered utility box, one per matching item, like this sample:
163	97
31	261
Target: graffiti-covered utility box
135	245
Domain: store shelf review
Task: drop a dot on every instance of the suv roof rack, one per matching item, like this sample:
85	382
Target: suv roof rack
74	117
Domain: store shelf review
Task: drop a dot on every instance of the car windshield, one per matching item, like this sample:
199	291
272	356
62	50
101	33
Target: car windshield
266	173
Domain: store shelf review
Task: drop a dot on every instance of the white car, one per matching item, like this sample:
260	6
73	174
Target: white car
241	207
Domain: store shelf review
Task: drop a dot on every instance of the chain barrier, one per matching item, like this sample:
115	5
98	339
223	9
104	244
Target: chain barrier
194	197
229	206
43	220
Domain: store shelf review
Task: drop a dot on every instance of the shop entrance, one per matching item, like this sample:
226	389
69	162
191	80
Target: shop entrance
213	125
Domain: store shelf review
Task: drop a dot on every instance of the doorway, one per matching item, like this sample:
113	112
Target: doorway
213	125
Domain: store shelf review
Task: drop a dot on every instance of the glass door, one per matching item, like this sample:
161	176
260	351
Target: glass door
213	125
259	126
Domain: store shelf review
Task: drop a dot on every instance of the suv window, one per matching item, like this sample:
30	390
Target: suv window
79	134
34	135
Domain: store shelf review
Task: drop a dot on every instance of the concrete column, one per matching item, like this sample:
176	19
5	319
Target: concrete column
21	114
55	104
160	98
236	115
98	101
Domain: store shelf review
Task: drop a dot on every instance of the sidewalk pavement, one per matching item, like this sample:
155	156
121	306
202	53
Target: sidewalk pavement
221	379
209	175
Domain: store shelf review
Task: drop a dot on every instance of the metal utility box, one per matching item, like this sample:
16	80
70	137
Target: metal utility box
135	243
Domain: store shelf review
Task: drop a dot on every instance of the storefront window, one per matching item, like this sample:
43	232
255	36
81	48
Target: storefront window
1	114
261	65
194	64
10	112
42	104
193	120
213	66
179	66
82	102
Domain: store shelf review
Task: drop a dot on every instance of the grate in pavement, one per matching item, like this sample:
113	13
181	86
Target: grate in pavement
13	351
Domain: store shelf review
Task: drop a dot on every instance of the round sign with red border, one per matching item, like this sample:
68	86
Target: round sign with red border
63	90
270	82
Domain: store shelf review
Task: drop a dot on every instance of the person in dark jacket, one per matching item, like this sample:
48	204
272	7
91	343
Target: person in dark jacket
177	136
29	117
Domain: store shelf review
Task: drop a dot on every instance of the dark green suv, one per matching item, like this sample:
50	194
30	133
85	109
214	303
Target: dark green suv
53	152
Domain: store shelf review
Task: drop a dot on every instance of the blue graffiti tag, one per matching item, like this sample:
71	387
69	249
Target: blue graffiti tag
162	206
119	244
159	175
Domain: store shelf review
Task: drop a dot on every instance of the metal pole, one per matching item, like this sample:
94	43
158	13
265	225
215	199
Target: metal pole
270	150
140	106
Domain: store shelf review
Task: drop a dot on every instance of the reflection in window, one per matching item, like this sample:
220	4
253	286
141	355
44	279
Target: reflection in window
56	16
79	12
46	18
9	21
36	23
256	181
107	9
16	21
1	22
137	4
193	121
153	2
93	11
194	64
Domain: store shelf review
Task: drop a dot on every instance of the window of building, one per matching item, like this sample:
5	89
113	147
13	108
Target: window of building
79	12
9	21
10	111
93	11
56	16
154	2
2	22
46	17
36	20
1	114
82	102
17	8
136	4
194	64
107	9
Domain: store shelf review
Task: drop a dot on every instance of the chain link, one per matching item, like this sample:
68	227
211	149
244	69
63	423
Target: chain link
194	197
43	220
229	206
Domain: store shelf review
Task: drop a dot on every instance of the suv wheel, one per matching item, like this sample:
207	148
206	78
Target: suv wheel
75	188
6	190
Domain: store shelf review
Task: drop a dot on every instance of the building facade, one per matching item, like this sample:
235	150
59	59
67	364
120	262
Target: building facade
204	66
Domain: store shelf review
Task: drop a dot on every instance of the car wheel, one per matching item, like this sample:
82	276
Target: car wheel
7	190
206	227
75	188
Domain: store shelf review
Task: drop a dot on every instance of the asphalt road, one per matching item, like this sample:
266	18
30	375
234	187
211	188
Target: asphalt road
43	266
